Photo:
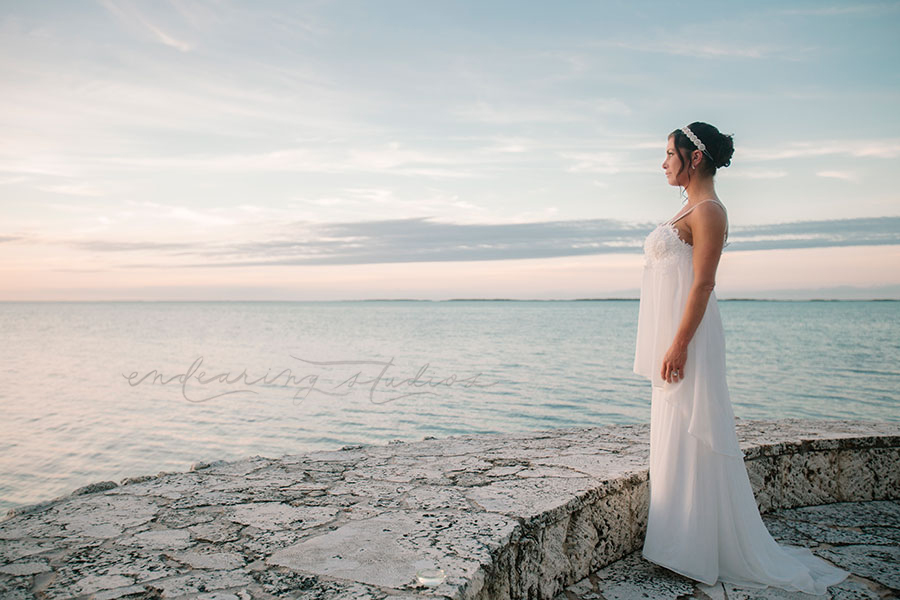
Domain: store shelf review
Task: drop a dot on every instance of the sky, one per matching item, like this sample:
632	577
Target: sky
341	150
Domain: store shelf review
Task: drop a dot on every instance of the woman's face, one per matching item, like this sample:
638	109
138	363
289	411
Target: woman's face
672	165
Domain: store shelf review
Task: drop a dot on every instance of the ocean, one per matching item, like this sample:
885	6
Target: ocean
106	390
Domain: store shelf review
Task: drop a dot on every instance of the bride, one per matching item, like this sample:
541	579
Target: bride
703	519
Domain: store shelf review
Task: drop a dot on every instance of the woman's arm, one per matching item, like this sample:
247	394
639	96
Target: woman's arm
707	223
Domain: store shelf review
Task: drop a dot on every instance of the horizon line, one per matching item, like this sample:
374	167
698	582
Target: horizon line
604	299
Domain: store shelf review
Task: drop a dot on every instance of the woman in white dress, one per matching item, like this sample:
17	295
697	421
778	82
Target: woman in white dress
703	519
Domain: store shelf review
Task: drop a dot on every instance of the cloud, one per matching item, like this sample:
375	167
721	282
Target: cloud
877	148
125	246
66	103
81	188
576	63
836	11
757	173
505	144
699	49
387	158
25	166
165	212
517	112
844	175
411	240
132	17
605	162
427	240
103	111
873	231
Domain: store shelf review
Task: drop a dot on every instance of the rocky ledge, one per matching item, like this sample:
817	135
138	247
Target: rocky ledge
504	516
862	537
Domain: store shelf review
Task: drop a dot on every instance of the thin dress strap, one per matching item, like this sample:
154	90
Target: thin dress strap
677	218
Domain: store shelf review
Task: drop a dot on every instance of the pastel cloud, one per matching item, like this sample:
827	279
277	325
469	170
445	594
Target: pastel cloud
426	240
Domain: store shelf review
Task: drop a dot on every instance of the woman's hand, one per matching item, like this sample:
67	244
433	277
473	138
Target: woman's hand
672	369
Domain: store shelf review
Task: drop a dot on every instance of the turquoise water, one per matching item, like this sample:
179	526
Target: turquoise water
79	406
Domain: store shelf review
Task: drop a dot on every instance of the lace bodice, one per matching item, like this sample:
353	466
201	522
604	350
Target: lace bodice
663	247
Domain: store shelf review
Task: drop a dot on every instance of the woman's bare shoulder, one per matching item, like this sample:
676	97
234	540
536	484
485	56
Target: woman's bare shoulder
711	212
709	218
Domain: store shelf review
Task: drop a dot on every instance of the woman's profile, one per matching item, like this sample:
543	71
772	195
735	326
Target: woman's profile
703	519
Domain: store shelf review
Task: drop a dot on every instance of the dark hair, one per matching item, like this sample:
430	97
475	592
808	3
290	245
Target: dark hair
719	146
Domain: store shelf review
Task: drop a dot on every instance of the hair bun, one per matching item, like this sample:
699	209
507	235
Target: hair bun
723	150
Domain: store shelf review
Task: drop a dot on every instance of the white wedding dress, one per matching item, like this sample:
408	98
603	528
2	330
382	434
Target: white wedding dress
703	520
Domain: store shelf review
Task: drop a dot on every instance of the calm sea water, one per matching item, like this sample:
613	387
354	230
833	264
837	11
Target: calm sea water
80	402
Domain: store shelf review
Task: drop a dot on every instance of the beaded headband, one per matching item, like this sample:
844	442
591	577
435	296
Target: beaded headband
700	145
